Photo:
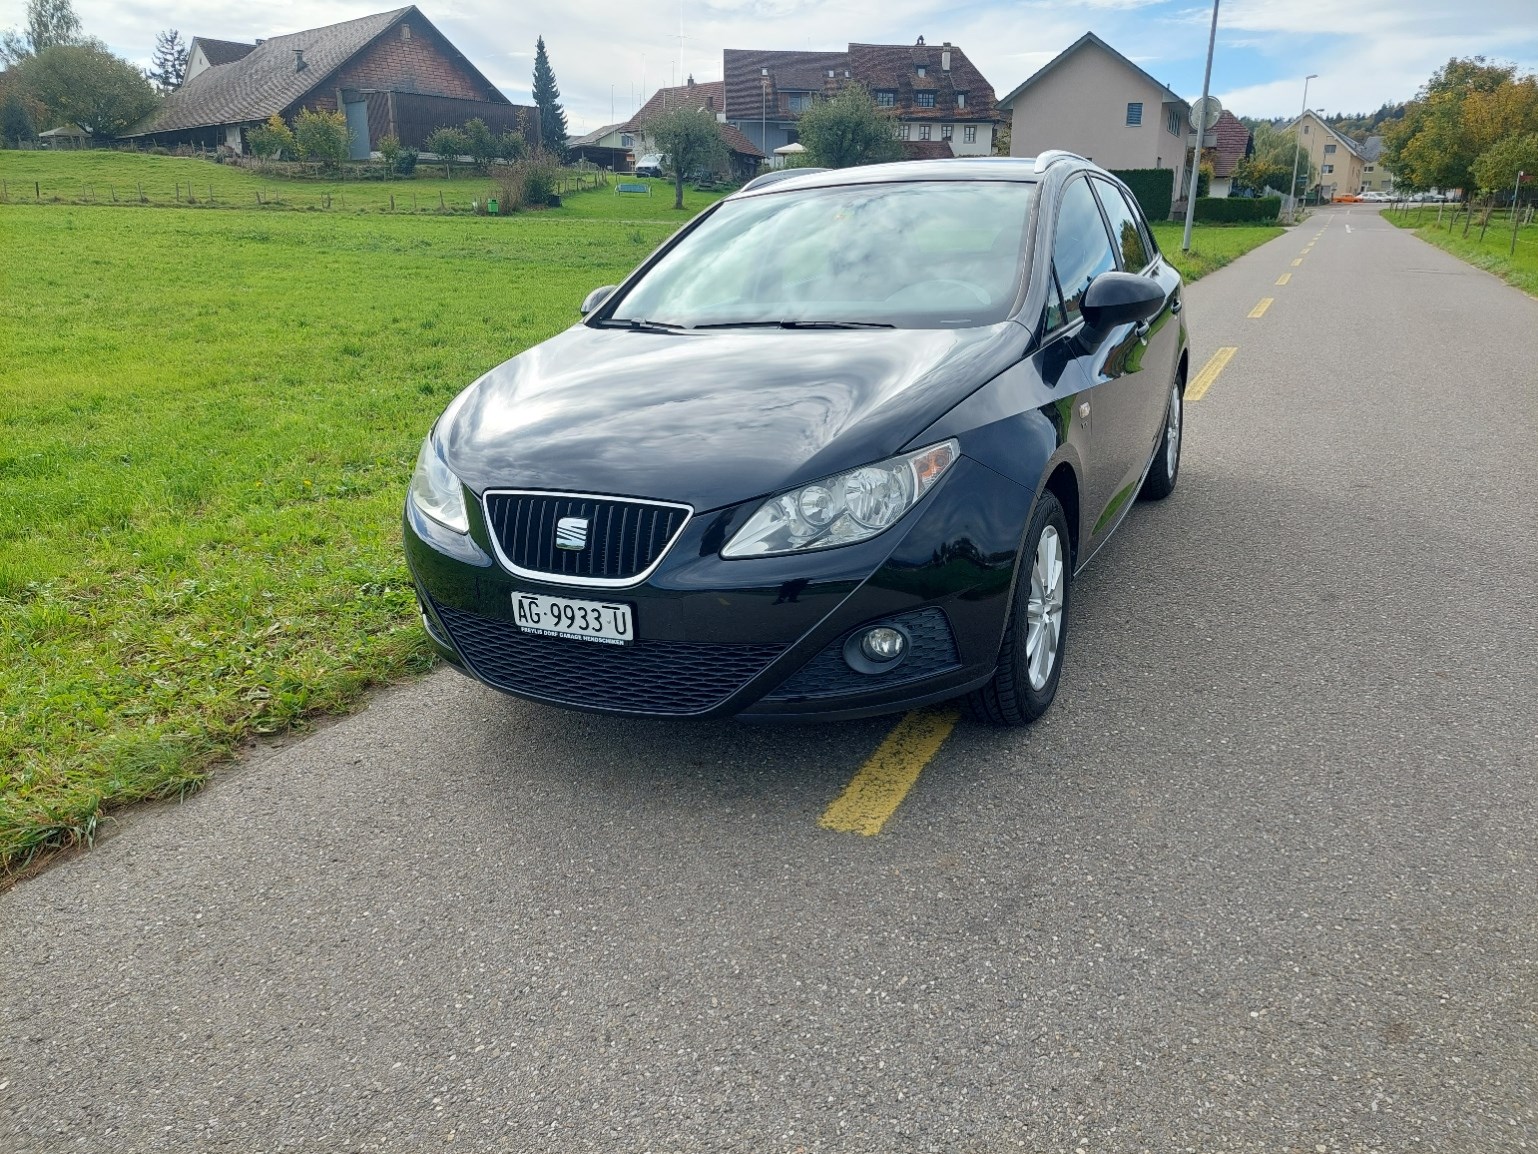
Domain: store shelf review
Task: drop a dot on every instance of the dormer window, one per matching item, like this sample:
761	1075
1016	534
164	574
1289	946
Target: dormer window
924	99
922	70
886	99
961	100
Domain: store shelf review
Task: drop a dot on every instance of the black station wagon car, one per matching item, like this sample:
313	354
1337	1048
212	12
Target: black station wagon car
837	448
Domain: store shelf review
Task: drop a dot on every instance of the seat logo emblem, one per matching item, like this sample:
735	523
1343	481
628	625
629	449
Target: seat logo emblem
571	533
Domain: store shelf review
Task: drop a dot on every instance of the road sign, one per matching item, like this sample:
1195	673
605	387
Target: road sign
1205	113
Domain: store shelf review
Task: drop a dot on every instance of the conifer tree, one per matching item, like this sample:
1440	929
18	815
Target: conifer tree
169	64
552	117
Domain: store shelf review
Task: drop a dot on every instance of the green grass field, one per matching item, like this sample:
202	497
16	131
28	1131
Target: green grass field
1212	246
1493	253
99	177
209	420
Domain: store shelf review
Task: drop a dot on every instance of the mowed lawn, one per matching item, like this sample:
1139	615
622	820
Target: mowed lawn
209	421
101	177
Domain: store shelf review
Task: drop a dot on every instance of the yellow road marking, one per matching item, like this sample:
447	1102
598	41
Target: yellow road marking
1297	262
875	792
1197	389
1308	248
1260	310
1284	278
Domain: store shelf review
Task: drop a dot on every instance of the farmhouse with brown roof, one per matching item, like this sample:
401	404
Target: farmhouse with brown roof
617	146
940	103
390	73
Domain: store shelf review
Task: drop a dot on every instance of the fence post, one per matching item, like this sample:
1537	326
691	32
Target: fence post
441	206
37	192
392	202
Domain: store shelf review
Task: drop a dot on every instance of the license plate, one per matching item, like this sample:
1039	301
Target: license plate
606	622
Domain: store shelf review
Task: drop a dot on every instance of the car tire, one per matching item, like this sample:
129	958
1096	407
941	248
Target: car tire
1165	469
1025	679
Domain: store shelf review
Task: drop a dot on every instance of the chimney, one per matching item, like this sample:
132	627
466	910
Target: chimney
945	57
260	41
691	80
299	64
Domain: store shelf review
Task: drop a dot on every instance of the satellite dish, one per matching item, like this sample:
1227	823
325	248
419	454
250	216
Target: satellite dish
1205	113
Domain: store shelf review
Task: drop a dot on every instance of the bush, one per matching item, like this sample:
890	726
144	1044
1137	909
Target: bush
322	136
390	151
406	162
530	183
1238	209
449	143
1153	187
508	179
268	141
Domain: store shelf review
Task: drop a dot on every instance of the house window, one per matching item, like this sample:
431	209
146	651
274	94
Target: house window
947	131
1329	148
1134	113
1305	130
626	140
961	100
800	102
1172	122
923	132
1368	168
792	136
969	134
903	130
1326	168
924	99
886	99
921	70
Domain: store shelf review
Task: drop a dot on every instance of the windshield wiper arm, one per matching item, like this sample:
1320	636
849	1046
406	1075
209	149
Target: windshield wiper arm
797	325
639	326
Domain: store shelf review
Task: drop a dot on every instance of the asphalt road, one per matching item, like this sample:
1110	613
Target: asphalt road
1263	880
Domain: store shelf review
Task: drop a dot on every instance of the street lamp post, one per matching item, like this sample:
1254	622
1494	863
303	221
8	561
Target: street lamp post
1201	131
763	113
1292	213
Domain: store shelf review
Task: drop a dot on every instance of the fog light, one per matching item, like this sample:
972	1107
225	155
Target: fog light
883	644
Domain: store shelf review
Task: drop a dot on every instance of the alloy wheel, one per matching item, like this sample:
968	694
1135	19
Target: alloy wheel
1044	610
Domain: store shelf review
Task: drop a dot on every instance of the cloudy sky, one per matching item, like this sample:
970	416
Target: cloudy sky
608	53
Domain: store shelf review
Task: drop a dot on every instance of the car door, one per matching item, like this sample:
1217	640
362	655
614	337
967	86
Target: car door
1152	359
1081	251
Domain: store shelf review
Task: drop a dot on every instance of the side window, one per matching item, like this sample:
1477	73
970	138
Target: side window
1081	250
1124	228
1056	317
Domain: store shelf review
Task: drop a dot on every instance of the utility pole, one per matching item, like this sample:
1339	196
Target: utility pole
1201	132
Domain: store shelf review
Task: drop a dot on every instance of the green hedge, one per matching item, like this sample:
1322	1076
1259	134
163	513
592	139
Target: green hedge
1153	187
1234	209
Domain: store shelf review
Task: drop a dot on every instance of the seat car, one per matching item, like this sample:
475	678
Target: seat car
837	448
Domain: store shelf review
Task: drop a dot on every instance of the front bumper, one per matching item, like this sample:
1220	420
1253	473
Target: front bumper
759	637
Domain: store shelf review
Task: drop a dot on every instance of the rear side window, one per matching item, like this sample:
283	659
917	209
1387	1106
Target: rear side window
1130	244
1081	248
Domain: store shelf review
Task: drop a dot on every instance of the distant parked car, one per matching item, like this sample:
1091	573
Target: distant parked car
828	452
650	165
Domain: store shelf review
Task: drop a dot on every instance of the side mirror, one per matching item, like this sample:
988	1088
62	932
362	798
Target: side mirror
1120	298
596	298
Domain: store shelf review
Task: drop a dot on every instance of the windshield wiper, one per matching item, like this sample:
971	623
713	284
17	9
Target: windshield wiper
639	326
797	325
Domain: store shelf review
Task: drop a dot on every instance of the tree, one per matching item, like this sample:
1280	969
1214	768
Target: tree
1457	115
481	144
85	84
390	153
449	144
271	139
322	136
547	96
1497	167
16	125
1270	162
847	130
50	23
690	139
169	64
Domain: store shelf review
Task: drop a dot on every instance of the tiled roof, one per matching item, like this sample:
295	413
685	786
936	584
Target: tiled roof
788	71
710	95
889	67
266	80
592	137
894	68
1233	144
1372	149
927	150
223	51
1352	146
737	142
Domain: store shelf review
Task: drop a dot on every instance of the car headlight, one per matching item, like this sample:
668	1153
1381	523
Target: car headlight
841	510
437	492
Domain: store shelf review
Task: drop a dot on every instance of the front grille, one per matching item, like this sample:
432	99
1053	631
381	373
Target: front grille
624	538
663	677
932	650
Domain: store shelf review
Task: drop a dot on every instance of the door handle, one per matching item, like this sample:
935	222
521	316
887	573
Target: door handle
1176	305
1142	331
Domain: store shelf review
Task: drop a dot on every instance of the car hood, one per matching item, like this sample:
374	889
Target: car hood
710	418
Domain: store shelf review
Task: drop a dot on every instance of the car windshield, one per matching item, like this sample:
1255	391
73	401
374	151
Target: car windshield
924	254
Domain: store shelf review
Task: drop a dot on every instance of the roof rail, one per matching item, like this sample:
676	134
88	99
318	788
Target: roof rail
1047	159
